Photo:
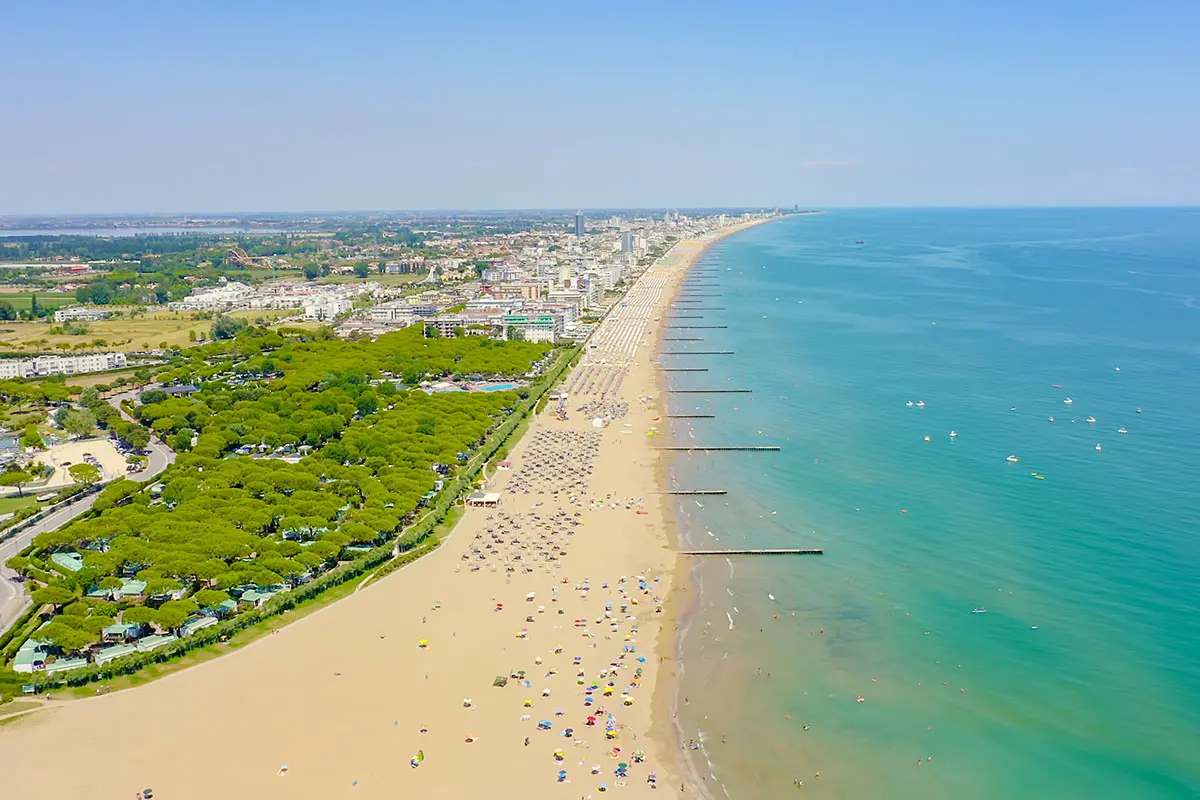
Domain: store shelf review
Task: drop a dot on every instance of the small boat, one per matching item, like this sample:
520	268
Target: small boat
1122	431
927	438
1099	448
1058	386
1139	409
1038	477
1051	419
953	434
1116	369
1012	459
908	404
1068	401
980	610
770	596
920	404
1091	420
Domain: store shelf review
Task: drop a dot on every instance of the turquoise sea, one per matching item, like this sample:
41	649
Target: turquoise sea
1082	679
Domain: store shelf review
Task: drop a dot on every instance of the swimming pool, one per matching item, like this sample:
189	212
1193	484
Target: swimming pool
498	387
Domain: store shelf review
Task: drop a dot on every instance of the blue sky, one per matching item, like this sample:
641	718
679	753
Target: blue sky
222	106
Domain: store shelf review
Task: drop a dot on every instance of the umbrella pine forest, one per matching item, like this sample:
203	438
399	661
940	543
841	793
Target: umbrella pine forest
299	455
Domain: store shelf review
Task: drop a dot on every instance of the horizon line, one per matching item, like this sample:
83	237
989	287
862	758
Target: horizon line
599	209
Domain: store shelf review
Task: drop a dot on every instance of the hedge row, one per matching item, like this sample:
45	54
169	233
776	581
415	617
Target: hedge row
11	641
404	559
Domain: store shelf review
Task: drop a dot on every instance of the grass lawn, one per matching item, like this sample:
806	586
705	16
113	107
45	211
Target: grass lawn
83	381
16	707
140	333
22	299
374	277
11	504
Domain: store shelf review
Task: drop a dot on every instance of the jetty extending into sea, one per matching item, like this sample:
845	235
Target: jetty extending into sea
721	448
758	551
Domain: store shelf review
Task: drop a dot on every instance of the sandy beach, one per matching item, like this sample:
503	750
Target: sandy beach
568	590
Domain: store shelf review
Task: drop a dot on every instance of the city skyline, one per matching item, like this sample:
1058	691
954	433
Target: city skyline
862	105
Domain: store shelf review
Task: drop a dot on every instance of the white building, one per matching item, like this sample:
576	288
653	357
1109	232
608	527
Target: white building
60	365
87	314
225	297
326	309
396	313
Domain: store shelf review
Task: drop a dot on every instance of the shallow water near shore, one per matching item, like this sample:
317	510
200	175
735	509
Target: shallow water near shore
1081	678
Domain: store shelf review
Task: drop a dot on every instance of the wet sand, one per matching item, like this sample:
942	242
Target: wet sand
347	696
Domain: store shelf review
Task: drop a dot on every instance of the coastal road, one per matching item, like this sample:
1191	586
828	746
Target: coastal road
13	599
159	456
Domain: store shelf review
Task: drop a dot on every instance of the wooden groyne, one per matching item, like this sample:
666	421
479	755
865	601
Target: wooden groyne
685	316
710	391
701	308
695	491
700	294
698	327
682	339
691	416
699	353
720	448
683	369
758	551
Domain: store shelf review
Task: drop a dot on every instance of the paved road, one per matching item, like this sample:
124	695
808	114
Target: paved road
13	600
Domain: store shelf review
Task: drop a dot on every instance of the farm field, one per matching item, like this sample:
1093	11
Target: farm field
141	333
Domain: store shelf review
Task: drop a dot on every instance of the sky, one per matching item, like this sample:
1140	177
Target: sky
150	107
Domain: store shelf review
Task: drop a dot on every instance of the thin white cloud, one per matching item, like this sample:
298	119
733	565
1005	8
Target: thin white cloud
831	162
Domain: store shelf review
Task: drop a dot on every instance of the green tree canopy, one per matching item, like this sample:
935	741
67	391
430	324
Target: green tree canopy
15	477
87	474
52	596
226	327
70	640
80	423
